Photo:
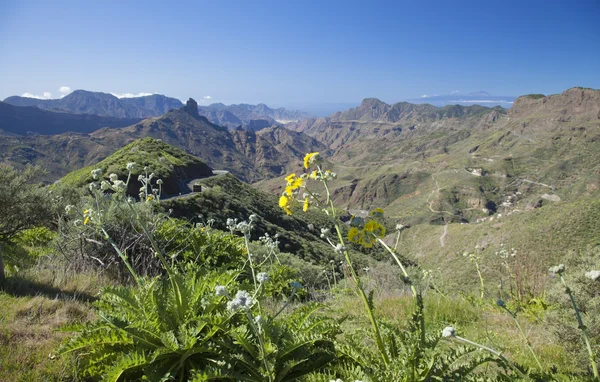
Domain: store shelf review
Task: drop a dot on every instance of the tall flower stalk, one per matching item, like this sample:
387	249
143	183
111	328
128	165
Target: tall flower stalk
513	315
359	286
560	270
289	198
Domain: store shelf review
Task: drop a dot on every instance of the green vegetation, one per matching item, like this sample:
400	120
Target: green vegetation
231	284
534	96
21	206
151	156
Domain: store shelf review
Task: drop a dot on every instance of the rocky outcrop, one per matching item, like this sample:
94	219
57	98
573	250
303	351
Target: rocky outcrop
191	107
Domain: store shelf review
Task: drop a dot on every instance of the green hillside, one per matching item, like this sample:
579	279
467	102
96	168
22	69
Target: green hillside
168	163
225	196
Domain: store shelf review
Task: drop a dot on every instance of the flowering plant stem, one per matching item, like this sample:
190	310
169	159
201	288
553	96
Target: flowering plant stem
481	282
121	255
495	353
583	329
418	297
514	317
162	259
359	287
246	242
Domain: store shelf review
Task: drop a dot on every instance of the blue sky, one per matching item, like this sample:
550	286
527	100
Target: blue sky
298	52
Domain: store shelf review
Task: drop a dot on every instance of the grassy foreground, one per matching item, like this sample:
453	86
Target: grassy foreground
122	290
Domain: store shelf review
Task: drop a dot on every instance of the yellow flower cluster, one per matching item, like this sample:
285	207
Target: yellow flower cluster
310	158
293	184
367	235
87	214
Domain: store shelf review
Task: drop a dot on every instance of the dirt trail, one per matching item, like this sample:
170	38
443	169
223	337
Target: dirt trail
443	237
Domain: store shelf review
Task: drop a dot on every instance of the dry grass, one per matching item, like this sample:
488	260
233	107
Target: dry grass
34	309
484	323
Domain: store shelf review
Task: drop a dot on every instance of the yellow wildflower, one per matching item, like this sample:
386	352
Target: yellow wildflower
306	205
289	190
149	198
283	201
86	213
313	175
366	240
309	158
375	228
297	183
290	178
284	204
352	234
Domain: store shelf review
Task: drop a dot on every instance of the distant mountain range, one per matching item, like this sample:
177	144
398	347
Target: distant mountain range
477	98
249	155
254	117
103	104
27	120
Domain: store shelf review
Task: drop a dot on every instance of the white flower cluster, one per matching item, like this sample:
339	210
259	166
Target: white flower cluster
244	226
593	275
448	331
147	192
270	242
557	269
220	290
262	277
117	185
231	223
242	300
504	254
324	232
96	173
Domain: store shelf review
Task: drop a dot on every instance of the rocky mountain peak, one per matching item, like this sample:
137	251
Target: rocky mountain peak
191	107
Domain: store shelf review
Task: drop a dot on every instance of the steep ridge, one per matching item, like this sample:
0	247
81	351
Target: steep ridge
103	104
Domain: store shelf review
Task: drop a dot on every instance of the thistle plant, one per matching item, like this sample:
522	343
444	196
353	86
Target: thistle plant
559	271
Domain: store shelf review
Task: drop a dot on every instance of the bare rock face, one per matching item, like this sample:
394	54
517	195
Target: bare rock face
575	102
191	107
